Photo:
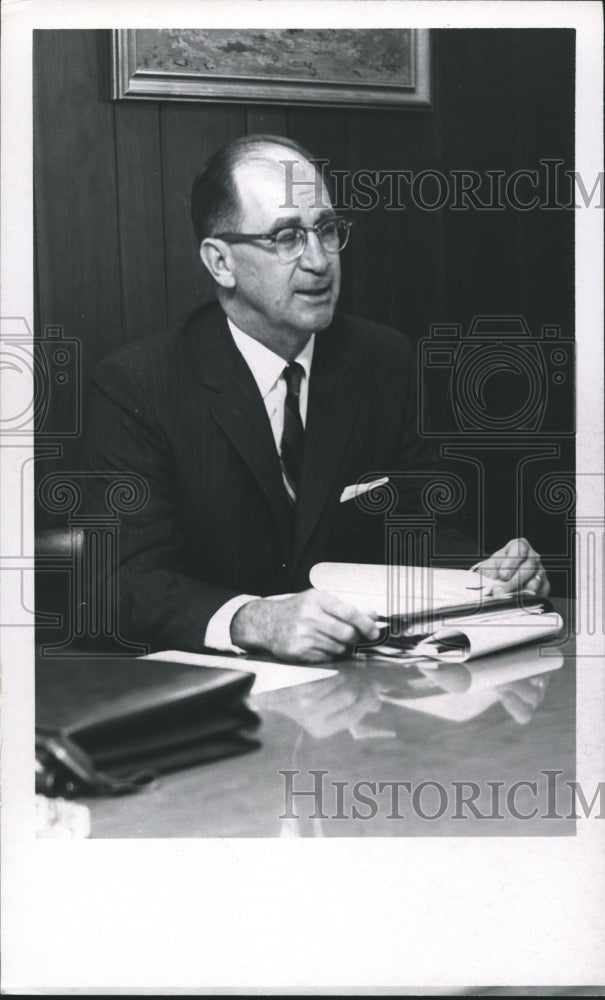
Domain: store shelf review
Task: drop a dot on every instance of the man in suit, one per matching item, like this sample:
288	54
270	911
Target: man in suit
249	422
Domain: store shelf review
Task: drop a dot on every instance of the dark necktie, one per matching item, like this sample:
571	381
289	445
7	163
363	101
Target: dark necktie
292	440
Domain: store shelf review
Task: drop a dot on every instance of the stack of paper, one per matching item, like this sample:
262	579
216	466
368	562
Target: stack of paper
440	614
400	590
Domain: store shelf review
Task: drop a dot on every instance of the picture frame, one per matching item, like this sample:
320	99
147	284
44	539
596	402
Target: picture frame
377	68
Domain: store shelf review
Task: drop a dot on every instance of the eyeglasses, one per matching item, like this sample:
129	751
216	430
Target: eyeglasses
290	242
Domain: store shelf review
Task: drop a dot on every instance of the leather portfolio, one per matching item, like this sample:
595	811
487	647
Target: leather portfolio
113	725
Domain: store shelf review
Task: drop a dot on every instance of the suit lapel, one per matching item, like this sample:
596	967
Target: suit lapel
332	406
239	410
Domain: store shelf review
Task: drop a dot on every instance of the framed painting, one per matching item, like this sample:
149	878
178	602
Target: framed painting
382	67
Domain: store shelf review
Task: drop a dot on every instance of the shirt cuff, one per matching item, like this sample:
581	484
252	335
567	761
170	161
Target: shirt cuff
218	630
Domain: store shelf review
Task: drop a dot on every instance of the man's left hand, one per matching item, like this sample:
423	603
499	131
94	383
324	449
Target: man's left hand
516	566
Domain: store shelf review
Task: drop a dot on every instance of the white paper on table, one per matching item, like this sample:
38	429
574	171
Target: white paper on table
269	676
400	590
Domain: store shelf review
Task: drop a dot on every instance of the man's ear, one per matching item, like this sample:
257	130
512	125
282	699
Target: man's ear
217	258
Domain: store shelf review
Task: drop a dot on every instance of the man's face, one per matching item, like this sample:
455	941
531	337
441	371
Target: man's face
274	300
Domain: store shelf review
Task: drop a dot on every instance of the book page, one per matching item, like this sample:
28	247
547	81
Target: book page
399	590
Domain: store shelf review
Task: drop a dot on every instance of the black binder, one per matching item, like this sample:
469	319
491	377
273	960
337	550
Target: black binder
113	725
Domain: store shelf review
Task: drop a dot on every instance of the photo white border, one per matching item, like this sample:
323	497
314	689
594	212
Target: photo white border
355	915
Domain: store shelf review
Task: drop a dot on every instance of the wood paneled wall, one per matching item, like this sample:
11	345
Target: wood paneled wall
116	254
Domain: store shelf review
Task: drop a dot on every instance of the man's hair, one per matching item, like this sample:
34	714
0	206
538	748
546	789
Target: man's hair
215	205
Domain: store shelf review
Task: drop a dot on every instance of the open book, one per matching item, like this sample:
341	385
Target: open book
440	614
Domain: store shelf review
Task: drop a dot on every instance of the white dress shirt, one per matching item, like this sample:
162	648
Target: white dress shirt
267	368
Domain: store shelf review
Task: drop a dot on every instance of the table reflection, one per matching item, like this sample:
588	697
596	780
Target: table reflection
462	731
516	679
482	748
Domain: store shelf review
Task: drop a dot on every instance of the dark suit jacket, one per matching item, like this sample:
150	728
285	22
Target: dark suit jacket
182	410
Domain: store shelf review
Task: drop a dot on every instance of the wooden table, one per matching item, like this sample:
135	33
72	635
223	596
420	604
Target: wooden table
339	739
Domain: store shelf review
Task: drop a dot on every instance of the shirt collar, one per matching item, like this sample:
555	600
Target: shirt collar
265	365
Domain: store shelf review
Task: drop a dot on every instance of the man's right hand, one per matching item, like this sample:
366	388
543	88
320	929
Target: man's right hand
308	627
